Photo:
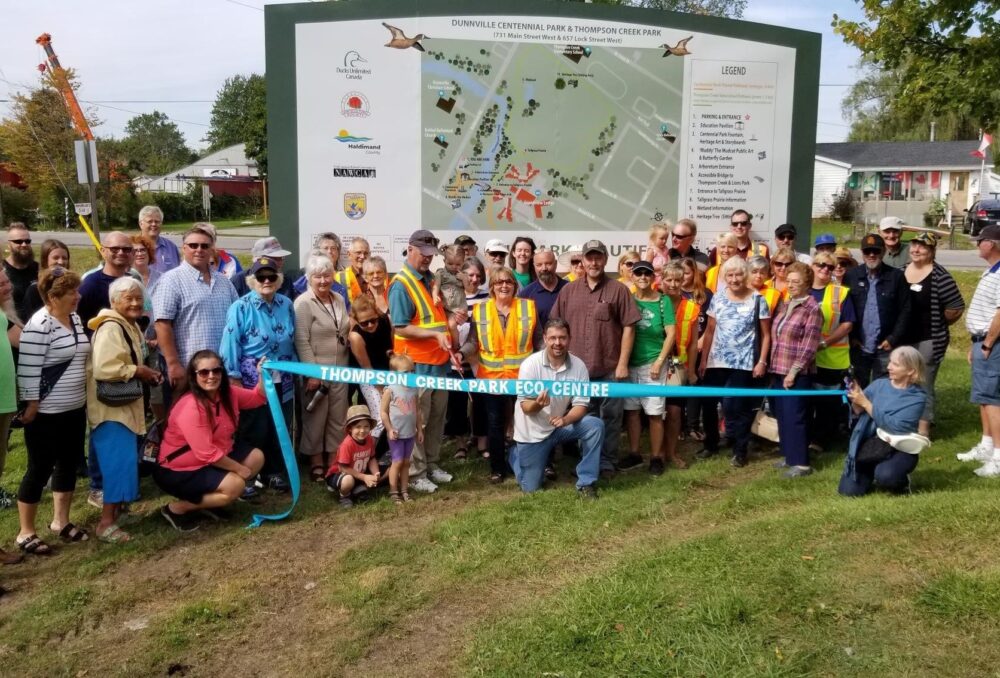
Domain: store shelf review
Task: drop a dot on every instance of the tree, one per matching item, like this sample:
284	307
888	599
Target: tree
879	111
239	115
153	145
943	53
727	8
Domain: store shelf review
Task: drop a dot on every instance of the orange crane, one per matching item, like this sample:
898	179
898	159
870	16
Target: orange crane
65	89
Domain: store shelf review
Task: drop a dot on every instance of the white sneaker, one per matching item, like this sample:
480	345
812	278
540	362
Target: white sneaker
439	476
977	453
423	485
990	469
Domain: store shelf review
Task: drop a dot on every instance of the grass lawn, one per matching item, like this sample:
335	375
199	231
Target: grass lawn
710	571
847	234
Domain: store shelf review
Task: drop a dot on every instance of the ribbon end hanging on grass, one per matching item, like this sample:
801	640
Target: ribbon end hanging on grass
287	452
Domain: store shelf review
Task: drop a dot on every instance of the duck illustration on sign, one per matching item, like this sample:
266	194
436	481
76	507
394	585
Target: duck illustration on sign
400	41
680	49
355	205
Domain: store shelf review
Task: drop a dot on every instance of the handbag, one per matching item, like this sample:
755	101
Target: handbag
765	426
873	450
46	382
119	393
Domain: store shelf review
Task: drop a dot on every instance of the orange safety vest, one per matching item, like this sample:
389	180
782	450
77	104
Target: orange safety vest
501	351
686	318
772	296
349	280
835	356
427	315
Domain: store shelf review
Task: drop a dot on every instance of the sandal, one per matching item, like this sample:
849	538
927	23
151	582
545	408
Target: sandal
406	496
496	478
677	462
396	497
317	474
72	533
32	544
461	453
114	535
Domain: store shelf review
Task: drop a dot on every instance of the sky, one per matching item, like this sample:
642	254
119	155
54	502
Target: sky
133	57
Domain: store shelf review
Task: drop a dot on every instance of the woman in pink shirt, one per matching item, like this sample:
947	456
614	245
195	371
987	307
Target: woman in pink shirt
199	461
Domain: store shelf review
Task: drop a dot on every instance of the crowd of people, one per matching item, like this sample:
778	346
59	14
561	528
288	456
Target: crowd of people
165	349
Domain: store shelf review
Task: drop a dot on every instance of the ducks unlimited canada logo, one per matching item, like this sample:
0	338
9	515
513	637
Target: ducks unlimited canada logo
355	105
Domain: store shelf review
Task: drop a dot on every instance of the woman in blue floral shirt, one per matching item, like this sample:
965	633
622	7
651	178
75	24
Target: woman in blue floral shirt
261	324
735	349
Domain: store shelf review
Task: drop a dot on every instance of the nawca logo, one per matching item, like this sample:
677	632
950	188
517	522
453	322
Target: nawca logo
355	205
355	105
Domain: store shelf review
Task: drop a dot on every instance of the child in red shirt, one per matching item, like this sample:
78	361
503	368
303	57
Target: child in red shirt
355	469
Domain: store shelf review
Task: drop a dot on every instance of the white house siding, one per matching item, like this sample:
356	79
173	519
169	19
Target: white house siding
829	179
229	158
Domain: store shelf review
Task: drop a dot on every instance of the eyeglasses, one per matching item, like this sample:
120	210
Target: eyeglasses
826	267
21	241
368	322
629	264
505	281
207	372
198	245
267	277
120	250
679	236
739	223
780	264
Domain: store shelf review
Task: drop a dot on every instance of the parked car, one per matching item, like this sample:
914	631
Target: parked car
980	215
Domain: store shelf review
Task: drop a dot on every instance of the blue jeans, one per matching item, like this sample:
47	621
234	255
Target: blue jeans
528	459
889	474
611	411
739	411
790	412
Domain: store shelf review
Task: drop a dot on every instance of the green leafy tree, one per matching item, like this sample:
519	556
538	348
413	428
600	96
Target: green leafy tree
727	8
153	145
942	53
239	115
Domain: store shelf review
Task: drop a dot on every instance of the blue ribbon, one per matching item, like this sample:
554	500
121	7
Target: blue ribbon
512	387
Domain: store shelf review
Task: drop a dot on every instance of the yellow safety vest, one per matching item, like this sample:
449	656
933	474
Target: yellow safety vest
835	356
686	319
349	280
712	278
427	315
501	351
772	296
570	277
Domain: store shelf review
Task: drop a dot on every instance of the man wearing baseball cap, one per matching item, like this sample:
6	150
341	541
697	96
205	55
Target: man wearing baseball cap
825	242
784	236
270	248
983	323
881	301
897	252
423	331
496	253
602	315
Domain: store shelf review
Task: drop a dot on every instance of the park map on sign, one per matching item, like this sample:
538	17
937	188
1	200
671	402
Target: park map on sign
521	136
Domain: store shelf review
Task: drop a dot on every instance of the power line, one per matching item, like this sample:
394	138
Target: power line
243	4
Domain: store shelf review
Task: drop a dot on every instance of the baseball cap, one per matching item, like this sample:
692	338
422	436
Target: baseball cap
464	240
642	266
261	263
889	223
825	239
268	247
595	246
784	229
496	245
424	241
873	241
926	238
991	232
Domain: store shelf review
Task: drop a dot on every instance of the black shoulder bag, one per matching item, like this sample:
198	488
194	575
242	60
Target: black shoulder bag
119	393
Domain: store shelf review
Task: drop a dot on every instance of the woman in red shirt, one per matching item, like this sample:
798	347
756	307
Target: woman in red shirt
199	461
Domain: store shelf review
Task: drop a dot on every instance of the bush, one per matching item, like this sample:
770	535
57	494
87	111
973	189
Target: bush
842	206
18	205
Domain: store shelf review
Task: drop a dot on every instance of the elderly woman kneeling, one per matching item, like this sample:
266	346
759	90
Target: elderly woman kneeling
117	361
893	405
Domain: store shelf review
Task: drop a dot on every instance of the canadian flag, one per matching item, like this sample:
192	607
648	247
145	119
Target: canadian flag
983	145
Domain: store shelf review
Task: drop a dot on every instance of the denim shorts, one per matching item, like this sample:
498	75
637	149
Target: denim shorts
985	376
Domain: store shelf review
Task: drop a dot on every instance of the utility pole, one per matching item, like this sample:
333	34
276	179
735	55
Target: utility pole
933	125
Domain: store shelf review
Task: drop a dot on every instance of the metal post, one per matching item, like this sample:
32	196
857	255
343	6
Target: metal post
66	212
263	184
92	190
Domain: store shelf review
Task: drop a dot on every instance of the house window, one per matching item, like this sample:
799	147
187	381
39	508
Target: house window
959	182
892	186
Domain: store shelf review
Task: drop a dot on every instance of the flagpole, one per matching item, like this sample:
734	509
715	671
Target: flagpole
982	167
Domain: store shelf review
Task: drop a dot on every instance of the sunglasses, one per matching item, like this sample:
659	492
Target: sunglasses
740	223
120	250
826	267
498	283
786	237
21	241
844	263
629	264
871	253
576	262
780	264
368	322
198	245
267	277
207	372
678	236
643	273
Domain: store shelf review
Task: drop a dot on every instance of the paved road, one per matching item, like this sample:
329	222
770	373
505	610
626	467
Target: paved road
231	243
951	259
